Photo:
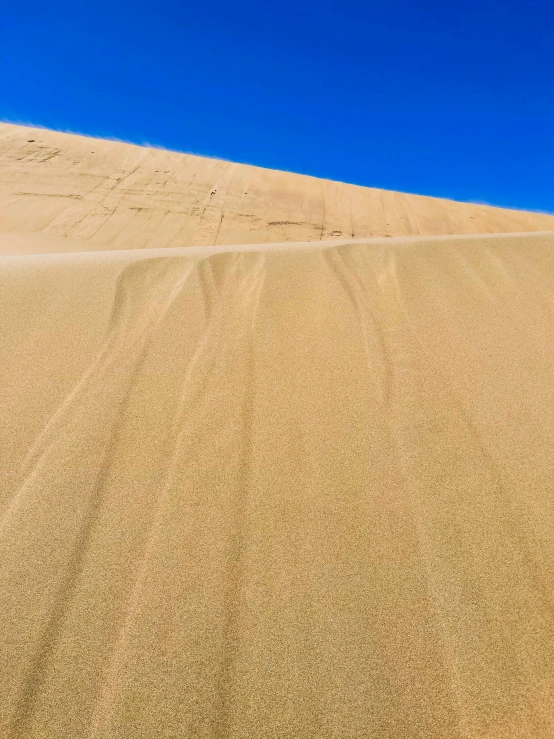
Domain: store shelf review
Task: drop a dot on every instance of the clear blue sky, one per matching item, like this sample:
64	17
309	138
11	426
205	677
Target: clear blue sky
453	99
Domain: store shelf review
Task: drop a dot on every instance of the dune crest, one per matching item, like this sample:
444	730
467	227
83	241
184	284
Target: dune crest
111	195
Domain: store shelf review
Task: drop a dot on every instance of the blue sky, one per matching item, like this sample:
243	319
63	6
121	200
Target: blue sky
453	99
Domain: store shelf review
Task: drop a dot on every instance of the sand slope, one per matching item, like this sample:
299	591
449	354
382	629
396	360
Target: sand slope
118	196
278	493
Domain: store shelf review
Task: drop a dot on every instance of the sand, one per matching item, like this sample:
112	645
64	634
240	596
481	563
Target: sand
112	195
277	491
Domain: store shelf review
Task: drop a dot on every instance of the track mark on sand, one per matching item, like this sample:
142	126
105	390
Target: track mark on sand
89	419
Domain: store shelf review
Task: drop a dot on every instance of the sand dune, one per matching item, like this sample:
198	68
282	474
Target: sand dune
296	491
112	195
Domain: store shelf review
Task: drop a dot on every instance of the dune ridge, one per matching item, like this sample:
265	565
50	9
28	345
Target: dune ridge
278	491
112	195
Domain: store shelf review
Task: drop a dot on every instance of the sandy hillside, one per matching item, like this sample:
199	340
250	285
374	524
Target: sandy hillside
294	492
251	490
118	196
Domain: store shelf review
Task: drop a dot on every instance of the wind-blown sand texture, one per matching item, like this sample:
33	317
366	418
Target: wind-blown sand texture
286	491
118	196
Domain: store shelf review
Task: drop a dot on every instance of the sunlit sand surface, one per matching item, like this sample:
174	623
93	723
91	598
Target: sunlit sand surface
276	491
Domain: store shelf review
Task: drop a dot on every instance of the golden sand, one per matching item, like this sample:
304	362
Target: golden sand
291	491
112	195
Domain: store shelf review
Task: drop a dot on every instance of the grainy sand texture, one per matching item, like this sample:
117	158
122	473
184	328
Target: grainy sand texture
277	491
